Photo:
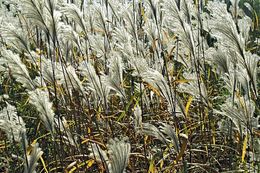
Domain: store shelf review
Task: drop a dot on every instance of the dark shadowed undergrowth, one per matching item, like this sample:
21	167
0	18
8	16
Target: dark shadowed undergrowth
129	86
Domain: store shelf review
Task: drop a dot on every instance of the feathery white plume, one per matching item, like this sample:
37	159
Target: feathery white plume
32	159
95	82
156	79
119	152
17	68
241	113
12	124
116	158
115	77
40	99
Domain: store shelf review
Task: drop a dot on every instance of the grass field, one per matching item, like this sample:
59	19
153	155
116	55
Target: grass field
117	86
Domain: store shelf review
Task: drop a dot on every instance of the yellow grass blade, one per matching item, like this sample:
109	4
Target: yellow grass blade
256	19
152	168
188	105
44	165
180	81
244	149
183	147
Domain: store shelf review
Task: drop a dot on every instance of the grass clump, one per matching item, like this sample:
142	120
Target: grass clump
129	86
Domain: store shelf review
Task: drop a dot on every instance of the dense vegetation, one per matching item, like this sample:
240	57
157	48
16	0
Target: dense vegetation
129	86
